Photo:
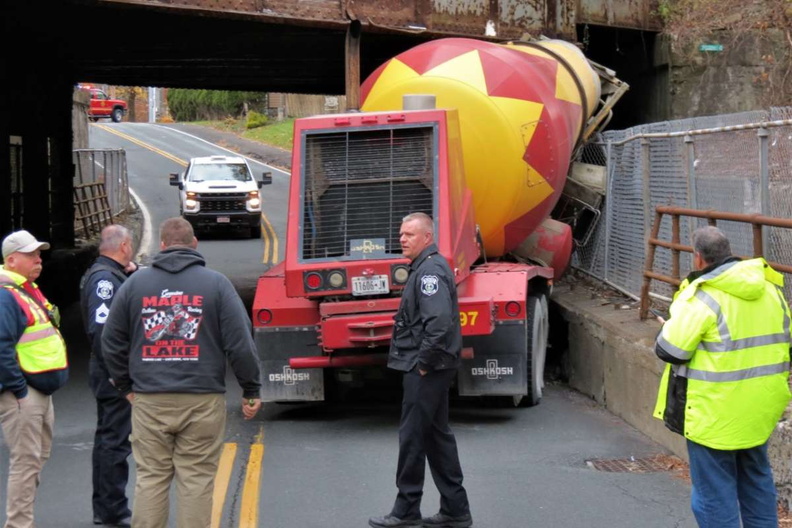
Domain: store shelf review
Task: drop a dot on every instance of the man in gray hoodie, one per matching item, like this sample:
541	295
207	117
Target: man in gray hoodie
170	332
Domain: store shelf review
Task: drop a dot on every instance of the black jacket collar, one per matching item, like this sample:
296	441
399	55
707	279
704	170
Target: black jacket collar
431	249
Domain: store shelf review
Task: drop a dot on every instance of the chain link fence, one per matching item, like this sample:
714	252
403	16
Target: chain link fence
740	163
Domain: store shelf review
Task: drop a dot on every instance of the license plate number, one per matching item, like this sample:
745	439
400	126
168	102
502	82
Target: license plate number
223	219
370	285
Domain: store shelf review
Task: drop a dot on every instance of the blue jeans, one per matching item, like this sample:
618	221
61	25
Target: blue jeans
729	485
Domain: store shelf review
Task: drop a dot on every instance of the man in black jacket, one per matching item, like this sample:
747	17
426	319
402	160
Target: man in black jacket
113	413
171	331
426	344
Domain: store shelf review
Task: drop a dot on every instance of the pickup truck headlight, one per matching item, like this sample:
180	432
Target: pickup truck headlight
253	199
191	201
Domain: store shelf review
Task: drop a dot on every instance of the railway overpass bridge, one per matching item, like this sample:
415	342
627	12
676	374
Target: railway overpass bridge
312	46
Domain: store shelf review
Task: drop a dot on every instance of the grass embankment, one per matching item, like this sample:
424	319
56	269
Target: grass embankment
277	134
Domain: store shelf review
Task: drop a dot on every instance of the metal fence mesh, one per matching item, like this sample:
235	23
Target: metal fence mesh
709	168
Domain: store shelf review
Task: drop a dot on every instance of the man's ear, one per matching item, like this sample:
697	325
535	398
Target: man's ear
194	243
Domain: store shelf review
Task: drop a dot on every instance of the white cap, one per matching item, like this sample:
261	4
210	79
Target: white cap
23	242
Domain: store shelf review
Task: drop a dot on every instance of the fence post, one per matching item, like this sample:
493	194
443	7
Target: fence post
608	206
764	172
647	195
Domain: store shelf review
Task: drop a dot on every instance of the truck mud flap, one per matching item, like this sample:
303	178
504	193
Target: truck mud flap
498	366
280	382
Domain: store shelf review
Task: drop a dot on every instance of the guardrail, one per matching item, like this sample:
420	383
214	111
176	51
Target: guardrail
758	222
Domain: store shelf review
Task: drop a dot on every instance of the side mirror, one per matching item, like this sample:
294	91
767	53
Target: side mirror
173	179
266	179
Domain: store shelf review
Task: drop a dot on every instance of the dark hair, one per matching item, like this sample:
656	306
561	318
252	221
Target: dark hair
711	244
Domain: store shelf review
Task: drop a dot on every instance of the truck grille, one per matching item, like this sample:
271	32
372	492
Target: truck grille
360	184
222	202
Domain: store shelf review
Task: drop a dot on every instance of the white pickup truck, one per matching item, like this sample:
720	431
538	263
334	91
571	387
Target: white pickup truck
220	192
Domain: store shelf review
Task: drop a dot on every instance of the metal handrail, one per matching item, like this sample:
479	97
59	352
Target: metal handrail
757	222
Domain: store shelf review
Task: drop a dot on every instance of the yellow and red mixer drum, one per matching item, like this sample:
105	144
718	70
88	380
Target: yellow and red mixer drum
521	106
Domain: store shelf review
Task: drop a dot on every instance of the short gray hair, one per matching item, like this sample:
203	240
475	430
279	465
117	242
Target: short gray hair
112	237
711	244
426	221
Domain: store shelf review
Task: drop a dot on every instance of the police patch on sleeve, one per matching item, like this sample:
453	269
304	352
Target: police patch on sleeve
429	284
101	314
104	290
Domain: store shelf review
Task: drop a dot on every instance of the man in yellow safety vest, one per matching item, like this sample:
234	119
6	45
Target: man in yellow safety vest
725	386
33	365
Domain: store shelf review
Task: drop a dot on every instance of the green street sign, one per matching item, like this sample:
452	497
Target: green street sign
711	47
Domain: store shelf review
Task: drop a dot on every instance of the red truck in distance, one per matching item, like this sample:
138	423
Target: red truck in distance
103	106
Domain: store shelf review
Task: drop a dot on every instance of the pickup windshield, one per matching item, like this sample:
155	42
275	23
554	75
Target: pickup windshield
220	172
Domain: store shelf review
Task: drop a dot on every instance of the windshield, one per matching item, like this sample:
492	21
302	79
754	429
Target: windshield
222	172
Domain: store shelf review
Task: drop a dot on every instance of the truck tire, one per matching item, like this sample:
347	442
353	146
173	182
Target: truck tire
538	328
255	231
117	115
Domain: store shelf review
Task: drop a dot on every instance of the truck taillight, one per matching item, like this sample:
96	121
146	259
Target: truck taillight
313	280
512	309
264	317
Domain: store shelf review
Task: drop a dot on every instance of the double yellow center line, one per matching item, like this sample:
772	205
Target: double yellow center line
248	509
267	231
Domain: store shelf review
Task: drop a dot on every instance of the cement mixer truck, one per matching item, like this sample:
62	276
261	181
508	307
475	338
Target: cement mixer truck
487	159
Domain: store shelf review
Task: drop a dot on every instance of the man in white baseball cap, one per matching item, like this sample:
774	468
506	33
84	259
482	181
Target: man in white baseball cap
23	242
33	365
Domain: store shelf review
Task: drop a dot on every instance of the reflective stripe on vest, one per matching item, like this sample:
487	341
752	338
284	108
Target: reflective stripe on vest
727	344
733	375
41	347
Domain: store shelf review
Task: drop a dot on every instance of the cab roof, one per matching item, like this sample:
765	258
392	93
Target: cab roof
213	160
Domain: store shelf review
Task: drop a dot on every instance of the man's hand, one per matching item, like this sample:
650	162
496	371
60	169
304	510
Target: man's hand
250	407
422	372
131	267
130	397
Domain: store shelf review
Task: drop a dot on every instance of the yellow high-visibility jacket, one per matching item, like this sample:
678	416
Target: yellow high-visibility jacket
728	344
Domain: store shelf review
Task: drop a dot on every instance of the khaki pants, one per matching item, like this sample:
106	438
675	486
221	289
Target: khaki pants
176	436
27	428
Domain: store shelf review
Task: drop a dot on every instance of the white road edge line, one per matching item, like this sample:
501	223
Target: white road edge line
223	148
145	240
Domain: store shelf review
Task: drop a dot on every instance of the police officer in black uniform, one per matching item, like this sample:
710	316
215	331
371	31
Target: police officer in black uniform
426	344
113	412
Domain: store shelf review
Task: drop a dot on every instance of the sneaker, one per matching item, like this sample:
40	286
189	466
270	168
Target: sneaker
389	521
441	520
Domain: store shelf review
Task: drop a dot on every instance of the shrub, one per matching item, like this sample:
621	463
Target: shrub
255	120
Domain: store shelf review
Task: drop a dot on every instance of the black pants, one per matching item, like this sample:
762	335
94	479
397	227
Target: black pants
111	447
424	435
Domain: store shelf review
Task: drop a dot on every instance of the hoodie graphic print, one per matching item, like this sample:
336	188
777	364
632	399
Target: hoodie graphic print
171	322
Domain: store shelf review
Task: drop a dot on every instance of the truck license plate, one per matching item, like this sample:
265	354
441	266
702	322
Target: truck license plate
223	219
370	285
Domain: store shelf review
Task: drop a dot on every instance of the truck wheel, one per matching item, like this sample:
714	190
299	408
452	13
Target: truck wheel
255	231
538	324
117	115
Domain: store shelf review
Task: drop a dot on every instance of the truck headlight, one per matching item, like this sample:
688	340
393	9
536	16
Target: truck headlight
253	199
190	203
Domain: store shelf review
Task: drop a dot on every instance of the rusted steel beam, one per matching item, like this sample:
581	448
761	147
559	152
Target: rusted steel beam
352	66
648	266
487	19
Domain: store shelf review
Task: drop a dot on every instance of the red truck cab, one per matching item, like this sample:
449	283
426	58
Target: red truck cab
103	106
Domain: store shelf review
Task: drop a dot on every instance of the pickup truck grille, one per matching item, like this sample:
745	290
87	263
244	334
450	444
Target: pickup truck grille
360	184
222	202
